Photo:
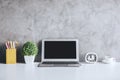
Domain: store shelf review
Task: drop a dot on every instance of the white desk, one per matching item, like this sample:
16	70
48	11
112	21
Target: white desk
96	71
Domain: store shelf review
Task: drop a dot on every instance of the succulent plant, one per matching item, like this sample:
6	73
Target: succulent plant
29	48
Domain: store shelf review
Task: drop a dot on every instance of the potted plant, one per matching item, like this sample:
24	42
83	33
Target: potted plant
29	51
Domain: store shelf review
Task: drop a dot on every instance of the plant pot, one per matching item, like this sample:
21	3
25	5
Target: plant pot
29	59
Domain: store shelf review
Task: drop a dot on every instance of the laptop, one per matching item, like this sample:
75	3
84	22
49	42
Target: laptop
59	52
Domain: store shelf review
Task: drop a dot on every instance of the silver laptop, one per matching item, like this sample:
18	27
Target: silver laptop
59	52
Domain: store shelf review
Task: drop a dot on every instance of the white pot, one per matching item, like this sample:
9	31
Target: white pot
29	59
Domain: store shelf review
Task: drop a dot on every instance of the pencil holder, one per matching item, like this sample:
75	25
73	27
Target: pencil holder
11	56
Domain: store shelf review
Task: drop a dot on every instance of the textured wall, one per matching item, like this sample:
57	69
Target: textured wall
96	23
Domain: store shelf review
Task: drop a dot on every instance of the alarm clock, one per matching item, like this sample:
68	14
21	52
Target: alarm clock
91	57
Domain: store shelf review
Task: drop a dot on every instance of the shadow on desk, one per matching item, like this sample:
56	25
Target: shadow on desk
20	57
2	53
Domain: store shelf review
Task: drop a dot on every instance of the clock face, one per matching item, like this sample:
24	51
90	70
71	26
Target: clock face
91	57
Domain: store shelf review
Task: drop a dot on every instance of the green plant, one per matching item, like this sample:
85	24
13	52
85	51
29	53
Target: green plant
29	48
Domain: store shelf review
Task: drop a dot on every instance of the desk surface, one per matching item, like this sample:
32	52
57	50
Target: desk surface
96	71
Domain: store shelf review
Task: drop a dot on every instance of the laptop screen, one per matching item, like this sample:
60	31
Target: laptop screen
60	50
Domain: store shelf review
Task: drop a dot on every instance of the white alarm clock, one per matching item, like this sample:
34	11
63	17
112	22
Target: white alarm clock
91	57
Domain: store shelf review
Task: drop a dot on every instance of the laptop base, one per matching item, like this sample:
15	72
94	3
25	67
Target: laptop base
52	64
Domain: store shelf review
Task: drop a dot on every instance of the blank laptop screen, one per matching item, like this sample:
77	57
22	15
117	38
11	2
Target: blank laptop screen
60	50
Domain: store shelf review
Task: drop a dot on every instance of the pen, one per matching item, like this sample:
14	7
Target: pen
13	44
6	45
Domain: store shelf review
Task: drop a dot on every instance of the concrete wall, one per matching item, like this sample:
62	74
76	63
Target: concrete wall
96	23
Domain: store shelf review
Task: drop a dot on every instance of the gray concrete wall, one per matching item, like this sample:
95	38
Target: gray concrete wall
96	23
